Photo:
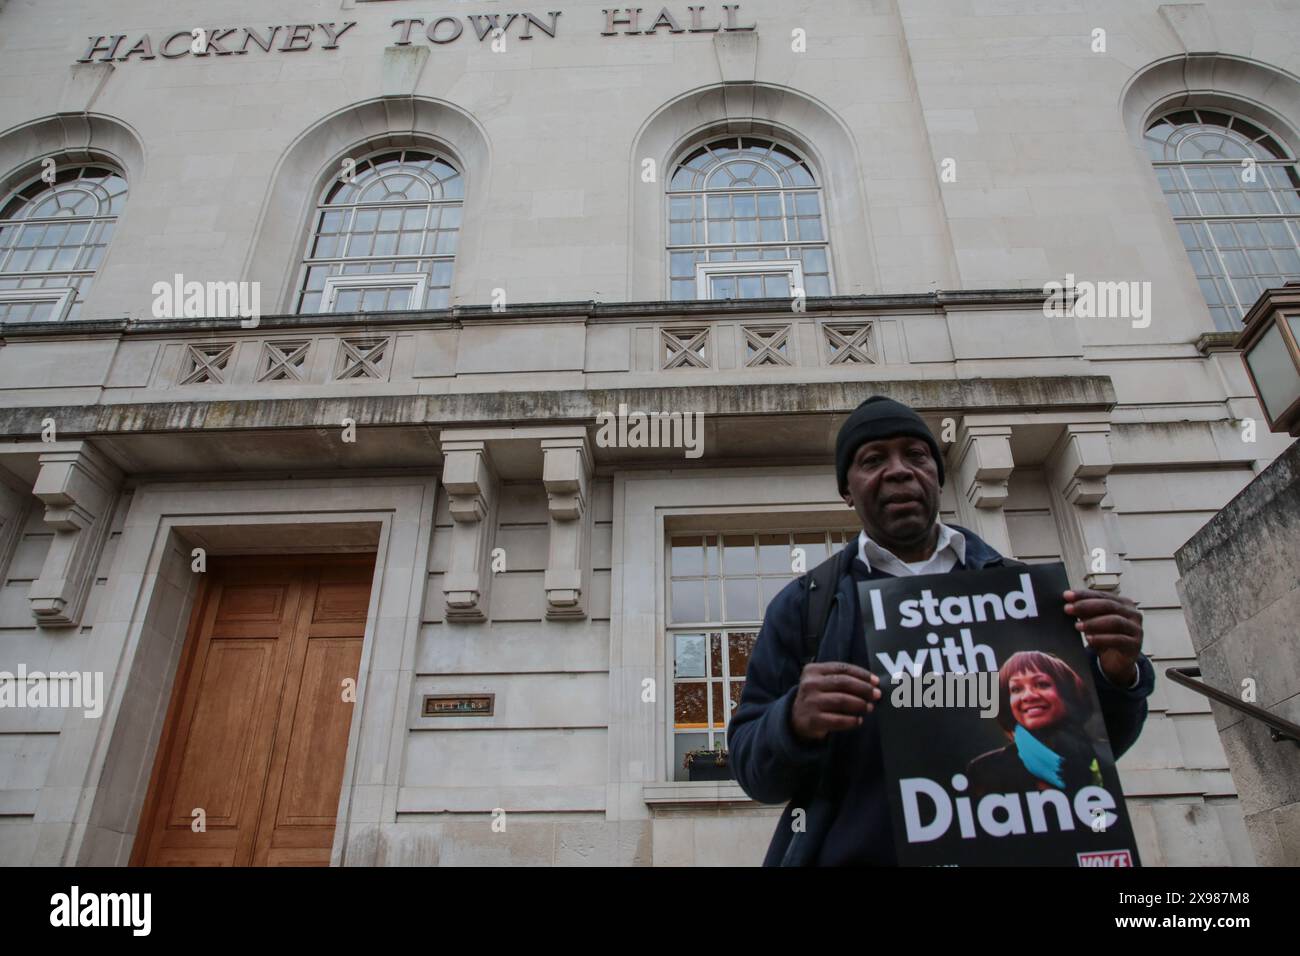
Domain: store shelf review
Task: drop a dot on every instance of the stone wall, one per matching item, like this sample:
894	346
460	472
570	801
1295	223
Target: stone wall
1241	594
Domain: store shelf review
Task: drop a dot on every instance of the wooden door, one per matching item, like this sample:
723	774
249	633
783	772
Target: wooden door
257	731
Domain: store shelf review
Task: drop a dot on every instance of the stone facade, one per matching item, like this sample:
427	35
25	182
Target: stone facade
967	153
1244	636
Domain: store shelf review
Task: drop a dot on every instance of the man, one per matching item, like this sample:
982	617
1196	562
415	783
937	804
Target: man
804	732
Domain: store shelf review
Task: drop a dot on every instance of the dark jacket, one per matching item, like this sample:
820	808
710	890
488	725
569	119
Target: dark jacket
839	782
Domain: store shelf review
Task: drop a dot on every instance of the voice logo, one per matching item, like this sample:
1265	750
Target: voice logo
1106	858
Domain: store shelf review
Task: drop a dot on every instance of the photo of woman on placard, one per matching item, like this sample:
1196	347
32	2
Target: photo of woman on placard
1044	710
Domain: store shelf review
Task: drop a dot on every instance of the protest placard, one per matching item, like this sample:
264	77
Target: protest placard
993	738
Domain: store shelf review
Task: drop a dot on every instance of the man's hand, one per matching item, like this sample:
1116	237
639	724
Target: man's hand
1112	625
832	696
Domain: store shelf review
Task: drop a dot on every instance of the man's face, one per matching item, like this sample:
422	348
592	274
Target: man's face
894	487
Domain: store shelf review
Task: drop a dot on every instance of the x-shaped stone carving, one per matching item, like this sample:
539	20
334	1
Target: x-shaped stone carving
283	360
768	344
207	363
685	347
850	344
361	358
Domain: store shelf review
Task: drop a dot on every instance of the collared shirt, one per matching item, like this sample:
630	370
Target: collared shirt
949	551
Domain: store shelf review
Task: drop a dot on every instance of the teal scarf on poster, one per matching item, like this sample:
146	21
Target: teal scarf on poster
1039	759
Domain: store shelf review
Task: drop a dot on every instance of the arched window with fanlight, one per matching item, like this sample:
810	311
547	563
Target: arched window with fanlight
384	235
54	229
745	221
1234	192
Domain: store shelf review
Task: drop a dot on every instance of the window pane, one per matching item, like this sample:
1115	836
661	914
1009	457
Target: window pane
1275	233
684	744
687	557
441	273
814	548
771	588
739	648
737	688
689	655
715	655
721	711
741	598
774	553
682	264
690	705
739	556
688	602
711	553
806	204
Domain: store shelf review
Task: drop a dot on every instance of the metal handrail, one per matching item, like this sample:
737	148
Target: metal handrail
1278	728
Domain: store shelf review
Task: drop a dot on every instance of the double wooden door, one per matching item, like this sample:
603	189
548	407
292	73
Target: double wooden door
251	759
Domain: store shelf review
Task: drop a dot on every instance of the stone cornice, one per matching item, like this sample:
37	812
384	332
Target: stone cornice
1030	393
587	312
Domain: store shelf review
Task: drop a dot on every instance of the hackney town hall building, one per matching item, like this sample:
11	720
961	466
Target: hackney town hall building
409	407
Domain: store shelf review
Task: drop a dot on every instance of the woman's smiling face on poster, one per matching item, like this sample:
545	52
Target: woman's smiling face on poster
1035	701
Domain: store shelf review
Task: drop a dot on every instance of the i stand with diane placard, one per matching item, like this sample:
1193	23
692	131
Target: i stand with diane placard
994	741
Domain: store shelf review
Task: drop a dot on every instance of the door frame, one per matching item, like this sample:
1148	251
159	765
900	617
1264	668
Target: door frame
91	805
185	667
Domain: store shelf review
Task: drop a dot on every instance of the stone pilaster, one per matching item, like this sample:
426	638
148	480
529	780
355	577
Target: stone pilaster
472	493
78	487
566	474
981	466
1076	470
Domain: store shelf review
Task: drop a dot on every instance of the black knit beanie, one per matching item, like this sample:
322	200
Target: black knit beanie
879	417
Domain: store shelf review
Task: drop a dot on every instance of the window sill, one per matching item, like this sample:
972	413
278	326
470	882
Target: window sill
694	793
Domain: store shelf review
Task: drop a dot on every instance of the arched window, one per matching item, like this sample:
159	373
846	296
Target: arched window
52	237
385	238
1235	195
745	222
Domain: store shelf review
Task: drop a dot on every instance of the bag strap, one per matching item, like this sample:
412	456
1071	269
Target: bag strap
820	585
